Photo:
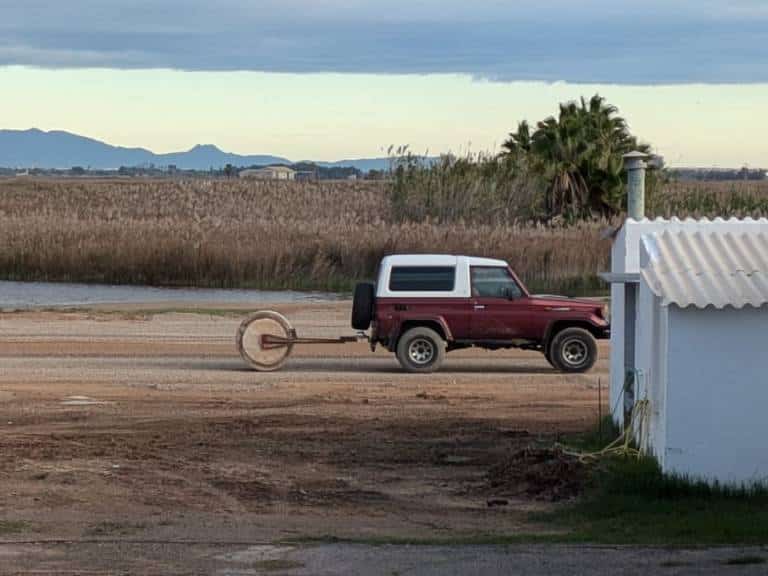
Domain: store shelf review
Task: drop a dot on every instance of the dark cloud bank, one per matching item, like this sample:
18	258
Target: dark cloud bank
704	41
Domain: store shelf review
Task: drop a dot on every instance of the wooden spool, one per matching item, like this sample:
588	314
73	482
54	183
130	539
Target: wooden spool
250	340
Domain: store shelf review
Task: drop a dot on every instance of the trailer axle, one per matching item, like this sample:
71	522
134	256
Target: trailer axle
272	341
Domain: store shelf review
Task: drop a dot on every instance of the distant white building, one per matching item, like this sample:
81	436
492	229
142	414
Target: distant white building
701	345
269	173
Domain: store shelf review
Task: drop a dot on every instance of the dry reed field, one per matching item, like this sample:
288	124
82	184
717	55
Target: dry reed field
322	235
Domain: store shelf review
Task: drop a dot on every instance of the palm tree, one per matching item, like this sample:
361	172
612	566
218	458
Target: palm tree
519	142
579	154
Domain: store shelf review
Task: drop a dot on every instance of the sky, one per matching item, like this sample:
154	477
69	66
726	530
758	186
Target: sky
332	79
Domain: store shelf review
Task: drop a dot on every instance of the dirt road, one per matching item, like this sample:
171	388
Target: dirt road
144	426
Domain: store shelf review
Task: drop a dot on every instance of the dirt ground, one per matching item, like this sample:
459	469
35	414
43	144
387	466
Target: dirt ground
145	426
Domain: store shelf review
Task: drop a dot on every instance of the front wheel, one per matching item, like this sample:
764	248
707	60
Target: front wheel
421	350
573	350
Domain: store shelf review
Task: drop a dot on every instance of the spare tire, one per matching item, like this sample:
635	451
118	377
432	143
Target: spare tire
362	305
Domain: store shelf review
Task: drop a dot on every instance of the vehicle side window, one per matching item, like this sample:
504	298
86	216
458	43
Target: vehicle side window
493	282
422	278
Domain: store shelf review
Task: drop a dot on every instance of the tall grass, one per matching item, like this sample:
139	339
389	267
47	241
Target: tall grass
740	199
473	189
275	234
503	190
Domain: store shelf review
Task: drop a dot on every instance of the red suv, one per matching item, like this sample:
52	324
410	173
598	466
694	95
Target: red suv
424	305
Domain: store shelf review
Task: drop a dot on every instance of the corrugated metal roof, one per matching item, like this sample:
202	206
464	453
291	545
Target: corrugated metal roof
708	268
625	253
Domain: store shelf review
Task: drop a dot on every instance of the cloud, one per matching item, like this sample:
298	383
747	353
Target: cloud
655	41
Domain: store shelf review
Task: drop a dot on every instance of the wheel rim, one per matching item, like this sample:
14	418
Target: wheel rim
574	352
421	351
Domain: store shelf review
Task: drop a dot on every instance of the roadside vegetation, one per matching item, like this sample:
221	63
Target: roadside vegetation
566	168
321	236
629	501
544	204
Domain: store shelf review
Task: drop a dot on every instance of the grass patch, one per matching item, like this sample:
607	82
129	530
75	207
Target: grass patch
8	527
629	501
110	528
674	564
459	540
744	561
594	439
150	312
277	565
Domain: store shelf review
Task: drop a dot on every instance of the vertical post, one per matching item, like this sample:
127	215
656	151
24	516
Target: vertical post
630	322
634	164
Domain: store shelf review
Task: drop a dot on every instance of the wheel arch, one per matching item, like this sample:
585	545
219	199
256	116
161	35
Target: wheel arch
560	325
437	324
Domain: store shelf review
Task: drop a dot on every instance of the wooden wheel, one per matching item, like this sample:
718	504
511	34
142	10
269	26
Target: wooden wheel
265	354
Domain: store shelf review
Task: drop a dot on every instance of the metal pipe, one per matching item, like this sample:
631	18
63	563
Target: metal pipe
272	341
635	165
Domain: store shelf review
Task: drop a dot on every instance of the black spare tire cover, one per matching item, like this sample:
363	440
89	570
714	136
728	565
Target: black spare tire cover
362	305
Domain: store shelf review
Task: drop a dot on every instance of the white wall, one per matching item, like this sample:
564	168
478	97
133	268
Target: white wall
716	394
626	259
652	370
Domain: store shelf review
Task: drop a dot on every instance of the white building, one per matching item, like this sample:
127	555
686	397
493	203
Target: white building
625	279
701	342
269	173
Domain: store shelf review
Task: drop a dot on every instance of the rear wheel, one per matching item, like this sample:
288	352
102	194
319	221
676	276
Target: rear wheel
573	350
421	350
548	356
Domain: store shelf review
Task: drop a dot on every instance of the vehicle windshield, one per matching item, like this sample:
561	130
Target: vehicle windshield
494	282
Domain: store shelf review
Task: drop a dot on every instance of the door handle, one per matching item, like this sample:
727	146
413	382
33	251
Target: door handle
479	307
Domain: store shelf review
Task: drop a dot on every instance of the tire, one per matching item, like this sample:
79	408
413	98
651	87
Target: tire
548	356
573	350
421	350
362	305
249	344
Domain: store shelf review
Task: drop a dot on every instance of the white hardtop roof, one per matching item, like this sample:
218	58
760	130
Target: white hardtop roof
438	260
625	254
707	267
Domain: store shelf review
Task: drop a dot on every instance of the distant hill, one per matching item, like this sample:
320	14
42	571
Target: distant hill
62	150
56	149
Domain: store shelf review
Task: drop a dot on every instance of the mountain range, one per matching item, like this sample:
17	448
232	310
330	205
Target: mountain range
56	149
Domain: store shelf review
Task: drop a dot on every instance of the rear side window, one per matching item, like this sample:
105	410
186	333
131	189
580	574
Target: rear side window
422	278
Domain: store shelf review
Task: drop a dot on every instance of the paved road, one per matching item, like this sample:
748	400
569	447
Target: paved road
385	560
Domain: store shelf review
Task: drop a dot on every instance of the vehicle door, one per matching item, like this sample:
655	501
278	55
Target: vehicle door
499	307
